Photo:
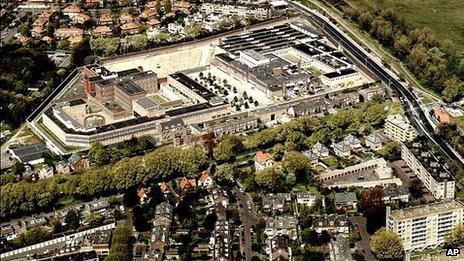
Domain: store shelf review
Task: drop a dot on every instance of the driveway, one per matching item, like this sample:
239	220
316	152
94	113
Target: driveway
248	220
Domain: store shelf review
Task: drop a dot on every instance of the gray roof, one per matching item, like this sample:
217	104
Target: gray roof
29	152
374	138
345	197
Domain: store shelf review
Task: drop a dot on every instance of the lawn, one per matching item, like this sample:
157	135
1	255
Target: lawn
444	17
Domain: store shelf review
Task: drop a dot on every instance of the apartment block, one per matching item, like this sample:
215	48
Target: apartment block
425	226
429	168
399	129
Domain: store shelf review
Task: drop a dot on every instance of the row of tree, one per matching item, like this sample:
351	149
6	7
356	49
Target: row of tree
165	163
438	67
303	132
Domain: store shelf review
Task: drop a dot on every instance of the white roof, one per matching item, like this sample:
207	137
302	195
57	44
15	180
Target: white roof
278	3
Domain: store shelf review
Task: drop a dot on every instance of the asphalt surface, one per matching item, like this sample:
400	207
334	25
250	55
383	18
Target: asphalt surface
248	219
365	242
412	108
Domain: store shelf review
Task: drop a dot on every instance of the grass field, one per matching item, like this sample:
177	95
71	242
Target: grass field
444	17
158	99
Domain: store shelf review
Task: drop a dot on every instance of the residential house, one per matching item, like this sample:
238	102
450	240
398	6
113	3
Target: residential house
147	14
33	221
373	141
8	231
46	172
99	206
279	249
78	162
71	11
306	198
281	225
102	31
153	23
311	156
105	19
126	18
163	214
369	93
143	196
276	202
99	241
129	28
345	201
397	127
94	3
63	33
220	241
320	150
345	99
186	183
63	167
182	6
339	249
219	197
310	107
263	160
331	223
81	18
341	149
37	31
353	142
205	180
165	187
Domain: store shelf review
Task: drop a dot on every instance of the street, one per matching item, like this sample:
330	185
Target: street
248	219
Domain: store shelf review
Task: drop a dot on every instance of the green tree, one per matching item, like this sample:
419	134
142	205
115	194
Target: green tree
270	179
105	46
98	154
278	151
138	41
297	164
386	245
391	151
121	244
224	173
32	236
228	148
167	6
17	168
94	219
24	29
158	6
72	220
455	238
80	51
454	88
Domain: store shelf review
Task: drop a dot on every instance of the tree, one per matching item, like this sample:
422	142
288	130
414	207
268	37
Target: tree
167	6
373	208
270	179
454	88
138	41
72	220
94	219
80	51
455	238
32	236
158	6
105	46
227	148
296	163
17	168
391	151
224	173
98	154
121	244
386	245
278	151
24	29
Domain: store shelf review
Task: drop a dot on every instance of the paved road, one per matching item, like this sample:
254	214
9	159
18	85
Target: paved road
248	219
365	237
412	108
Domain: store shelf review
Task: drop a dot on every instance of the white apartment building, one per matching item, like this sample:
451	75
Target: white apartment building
425	226
398	128
428	169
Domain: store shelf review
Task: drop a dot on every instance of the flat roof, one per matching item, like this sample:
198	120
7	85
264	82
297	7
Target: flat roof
426	210
339	73
129	87
29	152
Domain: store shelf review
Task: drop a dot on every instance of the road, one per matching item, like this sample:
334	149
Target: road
411	106
248	219
365	238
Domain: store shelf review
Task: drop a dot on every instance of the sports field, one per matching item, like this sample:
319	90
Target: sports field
444	17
